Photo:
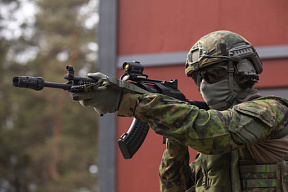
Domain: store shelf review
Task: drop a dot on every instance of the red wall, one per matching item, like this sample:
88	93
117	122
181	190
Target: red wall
148	26
275	73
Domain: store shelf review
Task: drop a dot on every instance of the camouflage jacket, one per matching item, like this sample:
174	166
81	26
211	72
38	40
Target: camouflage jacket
210	132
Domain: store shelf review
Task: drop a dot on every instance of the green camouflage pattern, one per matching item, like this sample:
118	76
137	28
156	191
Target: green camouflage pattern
267	177
210	45
260	190
210	132
255	176
174	171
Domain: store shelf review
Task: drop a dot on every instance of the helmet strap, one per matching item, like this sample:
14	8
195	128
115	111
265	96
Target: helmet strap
232	96
231	71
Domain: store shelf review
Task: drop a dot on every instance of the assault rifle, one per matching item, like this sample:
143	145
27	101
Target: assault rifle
133	79
130	142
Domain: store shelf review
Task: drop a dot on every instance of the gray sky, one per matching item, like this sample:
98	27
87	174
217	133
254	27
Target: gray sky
12	20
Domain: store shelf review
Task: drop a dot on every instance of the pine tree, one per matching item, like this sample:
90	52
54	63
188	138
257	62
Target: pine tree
47	141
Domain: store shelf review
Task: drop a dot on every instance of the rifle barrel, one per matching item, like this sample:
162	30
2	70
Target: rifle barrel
37	83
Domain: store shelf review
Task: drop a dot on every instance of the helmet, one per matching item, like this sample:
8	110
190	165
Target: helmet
223	46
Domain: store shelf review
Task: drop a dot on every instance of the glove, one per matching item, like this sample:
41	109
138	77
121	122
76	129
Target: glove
103	97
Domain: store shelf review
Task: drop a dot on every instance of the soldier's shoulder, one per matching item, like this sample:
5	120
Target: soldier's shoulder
268	109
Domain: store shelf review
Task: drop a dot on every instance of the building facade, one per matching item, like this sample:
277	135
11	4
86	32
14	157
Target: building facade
159	34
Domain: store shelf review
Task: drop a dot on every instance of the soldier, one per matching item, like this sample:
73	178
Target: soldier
242	140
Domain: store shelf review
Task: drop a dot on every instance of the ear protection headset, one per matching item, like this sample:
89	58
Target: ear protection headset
245	73
247	64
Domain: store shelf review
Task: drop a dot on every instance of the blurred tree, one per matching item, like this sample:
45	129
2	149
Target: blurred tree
48	142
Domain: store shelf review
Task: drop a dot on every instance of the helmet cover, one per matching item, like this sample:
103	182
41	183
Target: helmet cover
217	47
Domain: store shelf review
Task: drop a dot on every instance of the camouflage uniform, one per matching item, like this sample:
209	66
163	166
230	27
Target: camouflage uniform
242	142
210	132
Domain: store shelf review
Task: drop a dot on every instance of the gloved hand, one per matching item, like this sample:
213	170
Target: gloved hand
103	97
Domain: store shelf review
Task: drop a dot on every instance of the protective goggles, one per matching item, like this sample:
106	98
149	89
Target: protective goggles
210	75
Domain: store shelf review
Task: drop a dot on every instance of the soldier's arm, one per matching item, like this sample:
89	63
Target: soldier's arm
174	171
209	132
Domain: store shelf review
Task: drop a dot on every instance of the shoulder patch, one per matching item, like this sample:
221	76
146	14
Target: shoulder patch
259	109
